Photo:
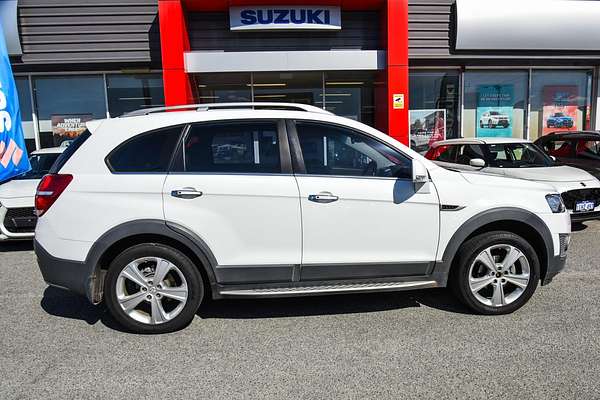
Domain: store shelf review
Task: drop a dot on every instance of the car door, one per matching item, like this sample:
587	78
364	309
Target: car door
362	215
232	186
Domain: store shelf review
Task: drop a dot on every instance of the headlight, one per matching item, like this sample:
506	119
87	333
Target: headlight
555	202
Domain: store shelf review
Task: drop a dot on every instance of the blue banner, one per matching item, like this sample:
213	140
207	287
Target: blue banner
13	153
495	110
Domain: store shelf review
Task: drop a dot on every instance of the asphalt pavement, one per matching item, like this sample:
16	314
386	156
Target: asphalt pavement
419	344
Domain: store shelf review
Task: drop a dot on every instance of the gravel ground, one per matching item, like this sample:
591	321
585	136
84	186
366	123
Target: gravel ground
420	344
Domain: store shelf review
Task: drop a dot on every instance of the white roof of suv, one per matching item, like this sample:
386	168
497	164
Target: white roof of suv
487	140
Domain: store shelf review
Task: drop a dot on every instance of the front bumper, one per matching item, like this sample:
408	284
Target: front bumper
75	276
6	234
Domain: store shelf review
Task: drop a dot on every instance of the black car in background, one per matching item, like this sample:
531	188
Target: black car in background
580	149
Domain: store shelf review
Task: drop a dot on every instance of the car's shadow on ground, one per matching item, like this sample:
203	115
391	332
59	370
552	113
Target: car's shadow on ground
578	226
64	304
330	305
22	245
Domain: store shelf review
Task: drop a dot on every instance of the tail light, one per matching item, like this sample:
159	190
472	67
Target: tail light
50	188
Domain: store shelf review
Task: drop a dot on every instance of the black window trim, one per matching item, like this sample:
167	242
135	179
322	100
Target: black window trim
282	138
184	128
298	159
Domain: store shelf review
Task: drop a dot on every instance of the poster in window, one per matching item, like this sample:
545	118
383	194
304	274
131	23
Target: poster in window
426	128
495	110
68	127
560	108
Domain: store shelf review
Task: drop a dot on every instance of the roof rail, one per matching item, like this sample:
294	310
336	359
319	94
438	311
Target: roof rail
230	106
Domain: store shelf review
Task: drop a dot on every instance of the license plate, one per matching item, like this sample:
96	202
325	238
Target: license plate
581	206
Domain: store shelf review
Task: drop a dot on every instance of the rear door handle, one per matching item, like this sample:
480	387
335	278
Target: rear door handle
323	197
186	193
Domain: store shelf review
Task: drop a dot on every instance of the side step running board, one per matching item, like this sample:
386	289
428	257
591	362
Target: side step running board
327	289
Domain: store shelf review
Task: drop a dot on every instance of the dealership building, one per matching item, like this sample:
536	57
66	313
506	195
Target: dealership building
465	67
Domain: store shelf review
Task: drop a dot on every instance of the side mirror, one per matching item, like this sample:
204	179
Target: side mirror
477	163
419	172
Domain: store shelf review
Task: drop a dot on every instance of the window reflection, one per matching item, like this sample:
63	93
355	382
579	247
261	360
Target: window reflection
289	87
222	88
350	94
81	95
133	92
560	101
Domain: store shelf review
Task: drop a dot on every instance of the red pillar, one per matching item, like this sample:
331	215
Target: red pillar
397	70
174	42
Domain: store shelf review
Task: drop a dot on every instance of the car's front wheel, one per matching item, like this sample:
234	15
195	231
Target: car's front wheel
495	272
153	288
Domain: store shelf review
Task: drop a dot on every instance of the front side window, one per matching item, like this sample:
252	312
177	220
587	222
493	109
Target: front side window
148	152
332	150
244	147
588	149
559	148
467	152
517	155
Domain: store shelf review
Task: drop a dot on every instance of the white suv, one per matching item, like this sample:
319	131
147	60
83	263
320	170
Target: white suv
155	211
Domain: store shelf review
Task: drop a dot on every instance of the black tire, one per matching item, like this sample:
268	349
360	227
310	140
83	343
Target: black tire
187	268
459	277
491	125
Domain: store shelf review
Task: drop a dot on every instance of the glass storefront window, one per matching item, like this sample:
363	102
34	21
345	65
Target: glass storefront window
434	107
351	94
80	96
132	92
560	101
22	83
495	104
222	88
289	87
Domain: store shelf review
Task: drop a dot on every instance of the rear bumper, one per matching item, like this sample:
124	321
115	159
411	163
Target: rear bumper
75	276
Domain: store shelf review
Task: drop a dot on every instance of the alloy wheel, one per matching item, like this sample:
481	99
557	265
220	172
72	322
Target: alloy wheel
499	275
151	290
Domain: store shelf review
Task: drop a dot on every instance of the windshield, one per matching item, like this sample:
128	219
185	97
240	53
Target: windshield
559	115
517	155
40	165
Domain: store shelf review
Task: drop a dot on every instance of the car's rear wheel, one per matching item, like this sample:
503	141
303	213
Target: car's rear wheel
495	273
153	288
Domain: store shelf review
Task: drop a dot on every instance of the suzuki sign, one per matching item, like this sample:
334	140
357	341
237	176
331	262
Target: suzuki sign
282	17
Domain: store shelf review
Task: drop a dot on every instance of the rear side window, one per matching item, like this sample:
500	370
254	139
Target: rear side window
68	153
244	147
148	152
444	153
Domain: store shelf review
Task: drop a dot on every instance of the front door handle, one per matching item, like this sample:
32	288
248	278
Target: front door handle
323	197
186	193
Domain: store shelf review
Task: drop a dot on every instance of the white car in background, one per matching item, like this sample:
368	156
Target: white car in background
492	119
518	158
17	215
